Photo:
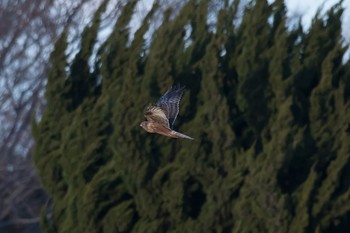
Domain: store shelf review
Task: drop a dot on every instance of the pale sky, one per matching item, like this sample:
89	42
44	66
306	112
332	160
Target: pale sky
308	8
304	8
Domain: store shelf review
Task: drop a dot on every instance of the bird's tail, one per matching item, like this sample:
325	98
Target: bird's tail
180	135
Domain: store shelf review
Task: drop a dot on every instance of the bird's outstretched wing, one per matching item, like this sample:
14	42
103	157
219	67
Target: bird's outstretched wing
157	115
169	103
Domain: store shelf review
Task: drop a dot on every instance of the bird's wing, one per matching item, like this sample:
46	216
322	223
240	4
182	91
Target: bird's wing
169	103
157	115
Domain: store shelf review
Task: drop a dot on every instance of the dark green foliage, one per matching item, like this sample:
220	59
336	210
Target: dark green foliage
269	108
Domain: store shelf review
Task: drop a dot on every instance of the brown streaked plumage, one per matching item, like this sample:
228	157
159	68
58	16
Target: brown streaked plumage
161	116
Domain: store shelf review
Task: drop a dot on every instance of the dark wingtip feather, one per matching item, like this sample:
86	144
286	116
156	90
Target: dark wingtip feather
178	86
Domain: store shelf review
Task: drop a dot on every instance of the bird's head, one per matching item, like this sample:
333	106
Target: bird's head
144	124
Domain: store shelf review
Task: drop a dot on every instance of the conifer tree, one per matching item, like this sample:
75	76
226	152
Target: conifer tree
268	106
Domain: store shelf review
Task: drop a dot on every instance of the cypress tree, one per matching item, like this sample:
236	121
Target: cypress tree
268	107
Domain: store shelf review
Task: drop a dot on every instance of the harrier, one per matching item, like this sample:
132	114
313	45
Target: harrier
161	116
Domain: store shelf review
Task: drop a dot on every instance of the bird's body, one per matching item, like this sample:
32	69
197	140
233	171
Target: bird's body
161	116
153	127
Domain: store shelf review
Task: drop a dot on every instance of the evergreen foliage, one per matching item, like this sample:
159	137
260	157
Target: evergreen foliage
269	108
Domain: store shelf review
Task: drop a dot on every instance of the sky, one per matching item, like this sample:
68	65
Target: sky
308	8
296	8
304	8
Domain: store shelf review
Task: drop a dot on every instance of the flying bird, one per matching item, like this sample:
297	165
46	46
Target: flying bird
161	116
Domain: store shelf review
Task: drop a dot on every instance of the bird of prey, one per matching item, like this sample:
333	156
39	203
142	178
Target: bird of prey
161	116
